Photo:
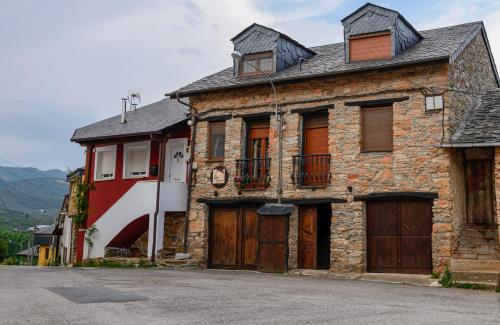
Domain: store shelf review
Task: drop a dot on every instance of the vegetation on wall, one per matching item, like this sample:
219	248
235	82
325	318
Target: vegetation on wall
81	201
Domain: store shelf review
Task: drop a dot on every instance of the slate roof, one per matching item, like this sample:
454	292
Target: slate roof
438	44
148	119
481	124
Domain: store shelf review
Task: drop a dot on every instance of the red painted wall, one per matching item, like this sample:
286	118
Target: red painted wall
106	193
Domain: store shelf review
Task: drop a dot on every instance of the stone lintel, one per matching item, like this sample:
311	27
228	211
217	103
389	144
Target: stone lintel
385	101
388	195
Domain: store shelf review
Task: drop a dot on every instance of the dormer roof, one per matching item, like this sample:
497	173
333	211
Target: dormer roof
379	19
258	38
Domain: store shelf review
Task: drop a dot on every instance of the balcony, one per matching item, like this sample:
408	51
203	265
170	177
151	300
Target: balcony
253	173
311	170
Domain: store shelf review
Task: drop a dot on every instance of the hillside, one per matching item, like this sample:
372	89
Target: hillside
29	196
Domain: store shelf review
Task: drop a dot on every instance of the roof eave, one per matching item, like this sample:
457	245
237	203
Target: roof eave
470	144
181	94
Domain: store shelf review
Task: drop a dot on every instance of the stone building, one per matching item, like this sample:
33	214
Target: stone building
382	168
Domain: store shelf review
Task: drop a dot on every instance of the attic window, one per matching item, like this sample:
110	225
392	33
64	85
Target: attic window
370	47
264	61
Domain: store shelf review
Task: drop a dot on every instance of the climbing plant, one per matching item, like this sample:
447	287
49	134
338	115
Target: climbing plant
88	239
81	201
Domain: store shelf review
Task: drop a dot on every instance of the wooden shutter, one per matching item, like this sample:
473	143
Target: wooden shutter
376	128
370	47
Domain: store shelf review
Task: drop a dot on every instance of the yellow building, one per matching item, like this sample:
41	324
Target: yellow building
44	240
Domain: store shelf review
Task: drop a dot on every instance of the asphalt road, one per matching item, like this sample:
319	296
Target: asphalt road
160	296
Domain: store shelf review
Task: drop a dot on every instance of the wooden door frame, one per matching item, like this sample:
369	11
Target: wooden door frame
399	201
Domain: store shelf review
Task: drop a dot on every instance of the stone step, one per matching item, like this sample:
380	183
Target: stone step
178	264
476	276
481	265
486	285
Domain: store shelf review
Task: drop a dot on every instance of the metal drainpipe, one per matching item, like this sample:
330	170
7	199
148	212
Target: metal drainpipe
157	208
193	112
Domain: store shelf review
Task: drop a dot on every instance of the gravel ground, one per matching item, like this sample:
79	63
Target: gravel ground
30	295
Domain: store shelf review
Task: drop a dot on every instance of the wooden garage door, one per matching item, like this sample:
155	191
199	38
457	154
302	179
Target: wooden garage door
399	236
233	237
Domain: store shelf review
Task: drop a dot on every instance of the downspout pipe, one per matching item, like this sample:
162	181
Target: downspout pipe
193	112
157	206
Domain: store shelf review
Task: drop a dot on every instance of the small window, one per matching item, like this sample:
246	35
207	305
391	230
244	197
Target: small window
376	129
136	159
434	103
263	61
248	66
105	161
216	140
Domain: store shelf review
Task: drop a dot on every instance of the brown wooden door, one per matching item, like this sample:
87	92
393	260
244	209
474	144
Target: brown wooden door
416	242
315	166
233	237
224	238
308	238
479	191
399	236
250	241
273	247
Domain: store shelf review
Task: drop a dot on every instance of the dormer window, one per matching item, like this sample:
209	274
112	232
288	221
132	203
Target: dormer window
263	61
370	47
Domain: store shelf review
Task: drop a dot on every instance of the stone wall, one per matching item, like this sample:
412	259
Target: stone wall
497	186
173	234
140	247
470	72
417	163
458	194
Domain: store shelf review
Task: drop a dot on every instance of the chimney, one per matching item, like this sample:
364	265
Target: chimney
124	110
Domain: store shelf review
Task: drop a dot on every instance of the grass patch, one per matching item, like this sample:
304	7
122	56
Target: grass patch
114	263
447	282
435	275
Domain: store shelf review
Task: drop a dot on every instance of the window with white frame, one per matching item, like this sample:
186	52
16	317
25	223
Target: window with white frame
136	159
105	161
434	103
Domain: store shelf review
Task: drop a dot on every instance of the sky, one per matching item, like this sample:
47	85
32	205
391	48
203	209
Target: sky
65	64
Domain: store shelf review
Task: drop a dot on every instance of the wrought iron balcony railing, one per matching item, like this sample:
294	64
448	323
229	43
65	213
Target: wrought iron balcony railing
311	170
253	173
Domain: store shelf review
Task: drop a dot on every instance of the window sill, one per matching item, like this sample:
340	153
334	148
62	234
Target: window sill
135	177
215	160
104	180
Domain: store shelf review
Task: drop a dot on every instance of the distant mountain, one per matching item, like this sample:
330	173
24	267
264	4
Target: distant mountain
30	196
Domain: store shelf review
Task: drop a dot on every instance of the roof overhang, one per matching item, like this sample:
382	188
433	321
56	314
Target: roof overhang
127	135
263	81
470	145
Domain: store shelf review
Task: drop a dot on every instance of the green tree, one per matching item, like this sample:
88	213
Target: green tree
4	249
